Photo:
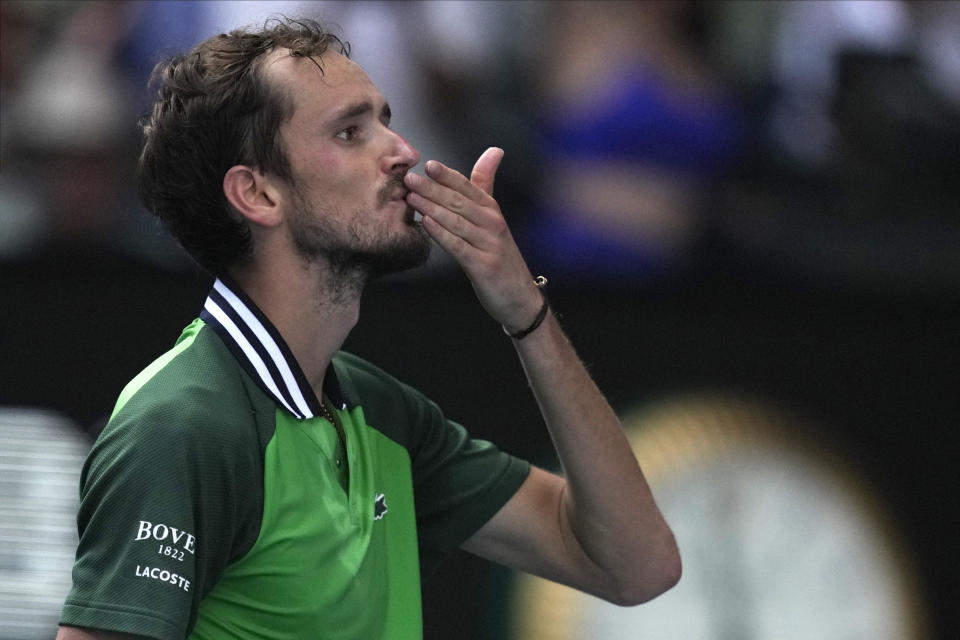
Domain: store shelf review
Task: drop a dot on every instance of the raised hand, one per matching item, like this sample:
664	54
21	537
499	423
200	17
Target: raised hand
597	528
466	221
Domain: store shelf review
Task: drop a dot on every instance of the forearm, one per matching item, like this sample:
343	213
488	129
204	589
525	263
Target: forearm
607	503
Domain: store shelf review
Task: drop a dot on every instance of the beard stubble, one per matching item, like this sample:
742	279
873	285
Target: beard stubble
352	246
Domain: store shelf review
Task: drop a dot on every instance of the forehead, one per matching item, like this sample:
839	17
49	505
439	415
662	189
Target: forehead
320	93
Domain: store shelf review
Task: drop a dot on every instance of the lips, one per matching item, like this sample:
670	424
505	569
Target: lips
394	189
410	215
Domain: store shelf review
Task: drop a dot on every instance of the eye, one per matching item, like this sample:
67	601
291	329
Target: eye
349	134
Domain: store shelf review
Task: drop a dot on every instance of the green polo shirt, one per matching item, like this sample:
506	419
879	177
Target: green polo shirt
217	502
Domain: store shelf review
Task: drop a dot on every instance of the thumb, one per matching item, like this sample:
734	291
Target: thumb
485	170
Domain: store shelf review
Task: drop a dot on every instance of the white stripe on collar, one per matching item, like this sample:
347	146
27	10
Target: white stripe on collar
272	350
214	309
242	327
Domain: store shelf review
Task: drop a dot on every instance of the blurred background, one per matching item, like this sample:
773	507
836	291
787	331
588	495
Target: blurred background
738	204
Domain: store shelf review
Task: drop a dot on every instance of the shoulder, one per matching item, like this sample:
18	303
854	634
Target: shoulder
198	367
193	402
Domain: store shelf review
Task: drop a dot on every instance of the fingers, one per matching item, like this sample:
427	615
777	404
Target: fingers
448	187
437	193
452	243
451	189
480	186
485	170
463	208
452	216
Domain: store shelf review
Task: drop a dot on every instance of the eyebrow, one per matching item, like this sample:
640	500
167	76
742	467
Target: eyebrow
357	109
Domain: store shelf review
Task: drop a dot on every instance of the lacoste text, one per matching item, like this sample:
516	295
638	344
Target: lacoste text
164	576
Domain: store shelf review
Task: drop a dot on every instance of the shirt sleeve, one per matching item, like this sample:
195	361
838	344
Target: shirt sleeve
459	482
160	517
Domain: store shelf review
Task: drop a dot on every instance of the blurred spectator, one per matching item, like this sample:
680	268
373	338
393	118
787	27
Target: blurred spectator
69	129
808	57
938	45
21	222
634	130
856	180
810	37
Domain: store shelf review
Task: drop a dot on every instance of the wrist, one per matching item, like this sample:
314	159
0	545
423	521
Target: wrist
519	334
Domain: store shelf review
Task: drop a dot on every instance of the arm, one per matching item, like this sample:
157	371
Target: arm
598	528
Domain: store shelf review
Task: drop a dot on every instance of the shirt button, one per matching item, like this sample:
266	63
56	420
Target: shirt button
338	463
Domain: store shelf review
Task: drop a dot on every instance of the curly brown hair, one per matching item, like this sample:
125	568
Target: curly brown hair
213	110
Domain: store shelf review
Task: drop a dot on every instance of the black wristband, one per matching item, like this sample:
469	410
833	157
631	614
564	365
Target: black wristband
541	283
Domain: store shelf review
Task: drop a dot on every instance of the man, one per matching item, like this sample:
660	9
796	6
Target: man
256	482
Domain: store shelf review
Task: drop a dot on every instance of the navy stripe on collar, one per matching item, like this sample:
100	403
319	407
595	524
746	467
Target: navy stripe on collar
263	352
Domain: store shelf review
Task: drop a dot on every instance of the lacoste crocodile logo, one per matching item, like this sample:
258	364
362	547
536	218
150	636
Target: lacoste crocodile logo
379	506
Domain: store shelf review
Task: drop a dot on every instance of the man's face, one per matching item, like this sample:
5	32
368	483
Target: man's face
346	203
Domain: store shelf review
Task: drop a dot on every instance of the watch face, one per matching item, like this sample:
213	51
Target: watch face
778	538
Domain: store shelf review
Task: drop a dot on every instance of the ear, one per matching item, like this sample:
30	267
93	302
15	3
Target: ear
253	195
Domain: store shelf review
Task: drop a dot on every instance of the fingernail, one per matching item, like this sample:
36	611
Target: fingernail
412	178
430	167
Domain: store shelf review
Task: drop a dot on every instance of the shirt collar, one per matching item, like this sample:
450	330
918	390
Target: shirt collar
257	344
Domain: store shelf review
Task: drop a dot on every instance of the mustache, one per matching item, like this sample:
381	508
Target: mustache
391	188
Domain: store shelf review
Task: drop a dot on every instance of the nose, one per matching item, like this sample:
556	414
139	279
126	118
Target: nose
401	156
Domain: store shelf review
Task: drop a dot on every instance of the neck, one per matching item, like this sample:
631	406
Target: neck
313	308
